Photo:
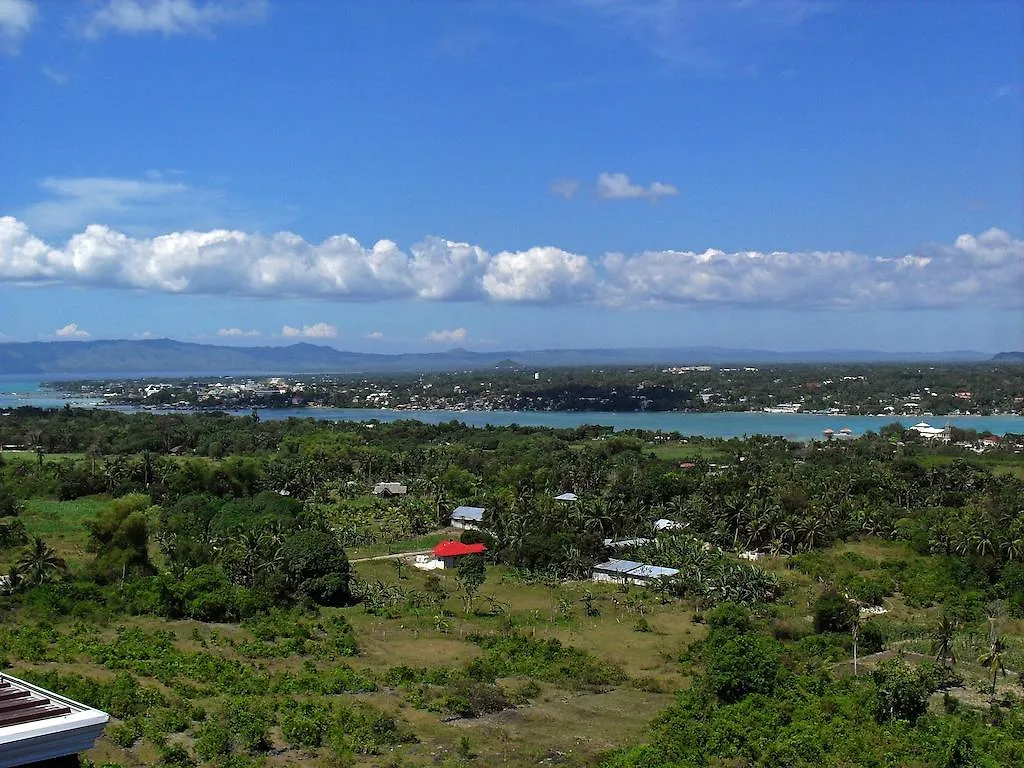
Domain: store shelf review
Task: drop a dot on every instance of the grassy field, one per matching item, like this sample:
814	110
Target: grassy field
31	456
555	723
62	523
999	464
407	545
684	451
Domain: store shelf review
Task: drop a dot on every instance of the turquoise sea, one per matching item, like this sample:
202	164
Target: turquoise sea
795	426
15	392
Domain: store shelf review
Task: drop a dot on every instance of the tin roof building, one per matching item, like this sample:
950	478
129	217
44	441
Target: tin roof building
37	725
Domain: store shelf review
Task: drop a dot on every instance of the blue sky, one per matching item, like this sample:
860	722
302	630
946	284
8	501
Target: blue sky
395	175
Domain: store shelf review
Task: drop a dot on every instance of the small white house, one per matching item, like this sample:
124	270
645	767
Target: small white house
467	517
630	572
389	489
567	497
37	725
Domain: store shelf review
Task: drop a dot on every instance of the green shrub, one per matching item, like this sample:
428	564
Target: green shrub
516	655
901	692
743	665
472	698
12	533
834	613
213	740
870	638
249	720
306	724
125	734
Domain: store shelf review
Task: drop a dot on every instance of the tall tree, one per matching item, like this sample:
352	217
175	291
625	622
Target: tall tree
471	573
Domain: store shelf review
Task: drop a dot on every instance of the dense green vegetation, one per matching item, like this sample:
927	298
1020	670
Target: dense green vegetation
981	388
202	578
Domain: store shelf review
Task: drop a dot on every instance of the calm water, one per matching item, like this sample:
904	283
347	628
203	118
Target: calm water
795	426
18	390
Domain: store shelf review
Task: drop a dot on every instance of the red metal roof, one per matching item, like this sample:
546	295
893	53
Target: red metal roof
456	548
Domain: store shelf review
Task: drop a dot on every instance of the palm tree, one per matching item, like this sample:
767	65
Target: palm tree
1013	545
38	562
984	542
993	660
942	640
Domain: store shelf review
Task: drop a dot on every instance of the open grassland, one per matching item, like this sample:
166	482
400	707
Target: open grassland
555	721
681	450
62	523
407	545
997	463
32	456
392	673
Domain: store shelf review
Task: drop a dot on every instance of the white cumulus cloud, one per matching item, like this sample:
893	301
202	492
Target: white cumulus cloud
447	337
170	17
375	335
985	269
236	333
16	18
314	331
71	331
540	274
617	186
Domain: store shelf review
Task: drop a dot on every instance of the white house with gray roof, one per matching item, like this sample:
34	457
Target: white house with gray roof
469	518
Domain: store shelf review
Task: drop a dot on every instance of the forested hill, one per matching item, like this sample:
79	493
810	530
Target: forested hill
169	356
1008	357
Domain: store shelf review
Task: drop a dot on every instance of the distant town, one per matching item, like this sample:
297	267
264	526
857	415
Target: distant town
904	391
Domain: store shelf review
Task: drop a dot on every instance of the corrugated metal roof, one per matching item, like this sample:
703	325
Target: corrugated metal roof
653	572
20	705
618	566
627	542
468	513
37	725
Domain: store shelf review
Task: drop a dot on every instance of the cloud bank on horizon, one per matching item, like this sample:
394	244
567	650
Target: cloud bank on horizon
987	269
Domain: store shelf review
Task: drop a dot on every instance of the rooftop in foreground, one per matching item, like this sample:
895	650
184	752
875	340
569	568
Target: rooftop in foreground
38	725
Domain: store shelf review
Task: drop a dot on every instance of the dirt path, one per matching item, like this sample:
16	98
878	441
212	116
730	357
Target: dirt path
392	557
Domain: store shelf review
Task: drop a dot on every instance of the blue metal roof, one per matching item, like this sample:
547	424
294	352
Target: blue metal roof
468	513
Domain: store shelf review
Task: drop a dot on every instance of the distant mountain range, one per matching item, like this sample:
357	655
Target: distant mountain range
165	356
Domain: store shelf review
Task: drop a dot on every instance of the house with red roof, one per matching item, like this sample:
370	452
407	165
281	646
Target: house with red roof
449	552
